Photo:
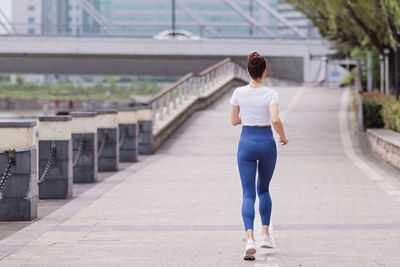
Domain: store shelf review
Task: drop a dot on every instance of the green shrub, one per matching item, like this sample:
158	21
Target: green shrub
391	115
348	80
380	111
372	117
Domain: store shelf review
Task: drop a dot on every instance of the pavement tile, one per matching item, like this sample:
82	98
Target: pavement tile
183	208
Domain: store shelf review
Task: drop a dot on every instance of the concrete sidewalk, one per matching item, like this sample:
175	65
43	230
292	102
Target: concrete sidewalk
181	207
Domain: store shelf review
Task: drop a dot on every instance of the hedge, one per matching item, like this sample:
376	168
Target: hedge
380	111
391	115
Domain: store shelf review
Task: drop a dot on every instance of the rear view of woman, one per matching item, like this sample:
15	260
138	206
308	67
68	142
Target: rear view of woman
255	106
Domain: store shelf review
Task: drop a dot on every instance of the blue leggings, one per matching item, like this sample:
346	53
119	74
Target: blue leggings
256	149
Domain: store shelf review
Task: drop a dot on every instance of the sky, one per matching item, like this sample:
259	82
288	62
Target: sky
5	5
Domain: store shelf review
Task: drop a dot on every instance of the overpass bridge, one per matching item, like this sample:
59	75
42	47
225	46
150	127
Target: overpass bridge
181	206
291	59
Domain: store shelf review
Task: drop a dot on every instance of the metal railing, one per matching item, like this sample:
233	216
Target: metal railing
191	86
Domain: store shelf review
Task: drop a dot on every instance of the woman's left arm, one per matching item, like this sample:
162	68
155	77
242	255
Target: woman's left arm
235	116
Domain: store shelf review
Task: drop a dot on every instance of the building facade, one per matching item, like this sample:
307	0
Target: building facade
146	18
27	16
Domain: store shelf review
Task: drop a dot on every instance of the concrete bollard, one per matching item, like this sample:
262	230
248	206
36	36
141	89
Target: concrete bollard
128	132
84	144
18	168
55	157
144	116
108	140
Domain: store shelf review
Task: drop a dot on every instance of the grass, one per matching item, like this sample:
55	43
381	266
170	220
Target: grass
68	90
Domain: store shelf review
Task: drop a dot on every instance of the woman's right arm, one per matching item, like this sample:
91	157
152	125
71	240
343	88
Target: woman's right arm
235	115
277	123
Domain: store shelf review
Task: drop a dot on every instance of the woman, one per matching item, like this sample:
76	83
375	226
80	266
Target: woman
256	107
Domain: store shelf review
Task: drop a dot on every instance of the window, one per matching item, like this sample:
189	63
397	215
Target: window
31	19
31	31
31	8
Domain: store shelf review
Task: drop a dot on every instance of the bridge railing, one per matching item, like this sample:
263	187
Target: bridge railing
190	87
152	29
169	97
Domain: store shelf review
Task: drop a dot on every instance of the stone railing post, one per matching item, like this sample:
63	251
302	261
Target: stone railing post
145	130
19	192
84	143
108	140
55	157
129	135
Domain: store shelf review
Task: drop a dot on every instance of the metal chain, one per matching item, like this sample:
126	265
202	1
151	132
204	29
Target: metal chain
80	149
124	134
49	164
6	174
103	143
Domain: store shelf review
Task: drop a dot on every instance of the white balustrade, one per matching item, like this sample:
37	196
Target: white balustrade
190	87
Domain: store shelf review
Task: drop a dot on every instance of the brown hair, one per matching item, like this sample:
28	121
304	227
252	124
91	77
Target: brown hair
256	65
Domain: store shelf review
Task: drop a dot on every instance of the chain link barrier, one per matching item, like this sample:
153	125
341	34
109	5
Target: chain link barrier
103	143
124	134
50	161
7	172
78	154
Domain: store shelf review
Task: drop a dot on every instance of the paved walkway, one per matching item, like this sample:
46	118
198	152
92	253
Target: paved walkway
181	207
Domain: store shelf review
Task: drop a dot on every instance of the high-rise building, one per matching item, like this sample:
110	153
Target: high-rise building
27	16
209	18
55	16
47	17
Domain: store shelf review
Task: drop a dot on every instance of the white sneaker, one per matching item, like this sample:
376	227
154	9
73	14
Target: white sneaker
250	250
266	242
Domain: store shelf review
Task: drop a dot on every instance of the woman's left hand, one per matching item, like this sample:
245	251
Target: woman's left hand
283	141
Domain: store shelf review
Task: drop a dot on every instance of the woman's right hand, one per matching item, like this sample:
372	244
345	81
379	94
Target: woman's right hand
283	140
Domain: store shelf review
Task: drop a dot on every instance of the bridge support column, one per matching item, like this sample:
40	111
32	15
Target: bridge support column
18	167
55	157
108	140
84	144
129	132
144	116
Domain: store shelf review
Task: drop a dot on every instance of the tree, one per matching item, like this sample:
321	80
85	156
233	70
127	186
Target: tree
354	24
356	27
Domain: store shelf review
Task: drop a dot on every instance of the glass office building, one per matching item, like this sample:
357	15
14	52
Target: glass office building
55	16
205	18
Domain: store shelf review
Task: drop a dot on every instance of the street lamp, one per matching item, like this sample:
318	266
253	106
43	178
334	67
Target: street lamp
386	52
251	13
173	16
382	73
396	64
369	72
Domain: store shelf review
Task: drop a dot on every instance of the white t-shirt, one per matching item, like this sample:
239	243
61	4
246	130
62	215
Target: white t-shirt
254	104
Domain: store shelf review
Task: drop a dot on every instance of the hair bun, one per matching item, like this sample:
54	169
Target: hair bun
253	55
256	65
